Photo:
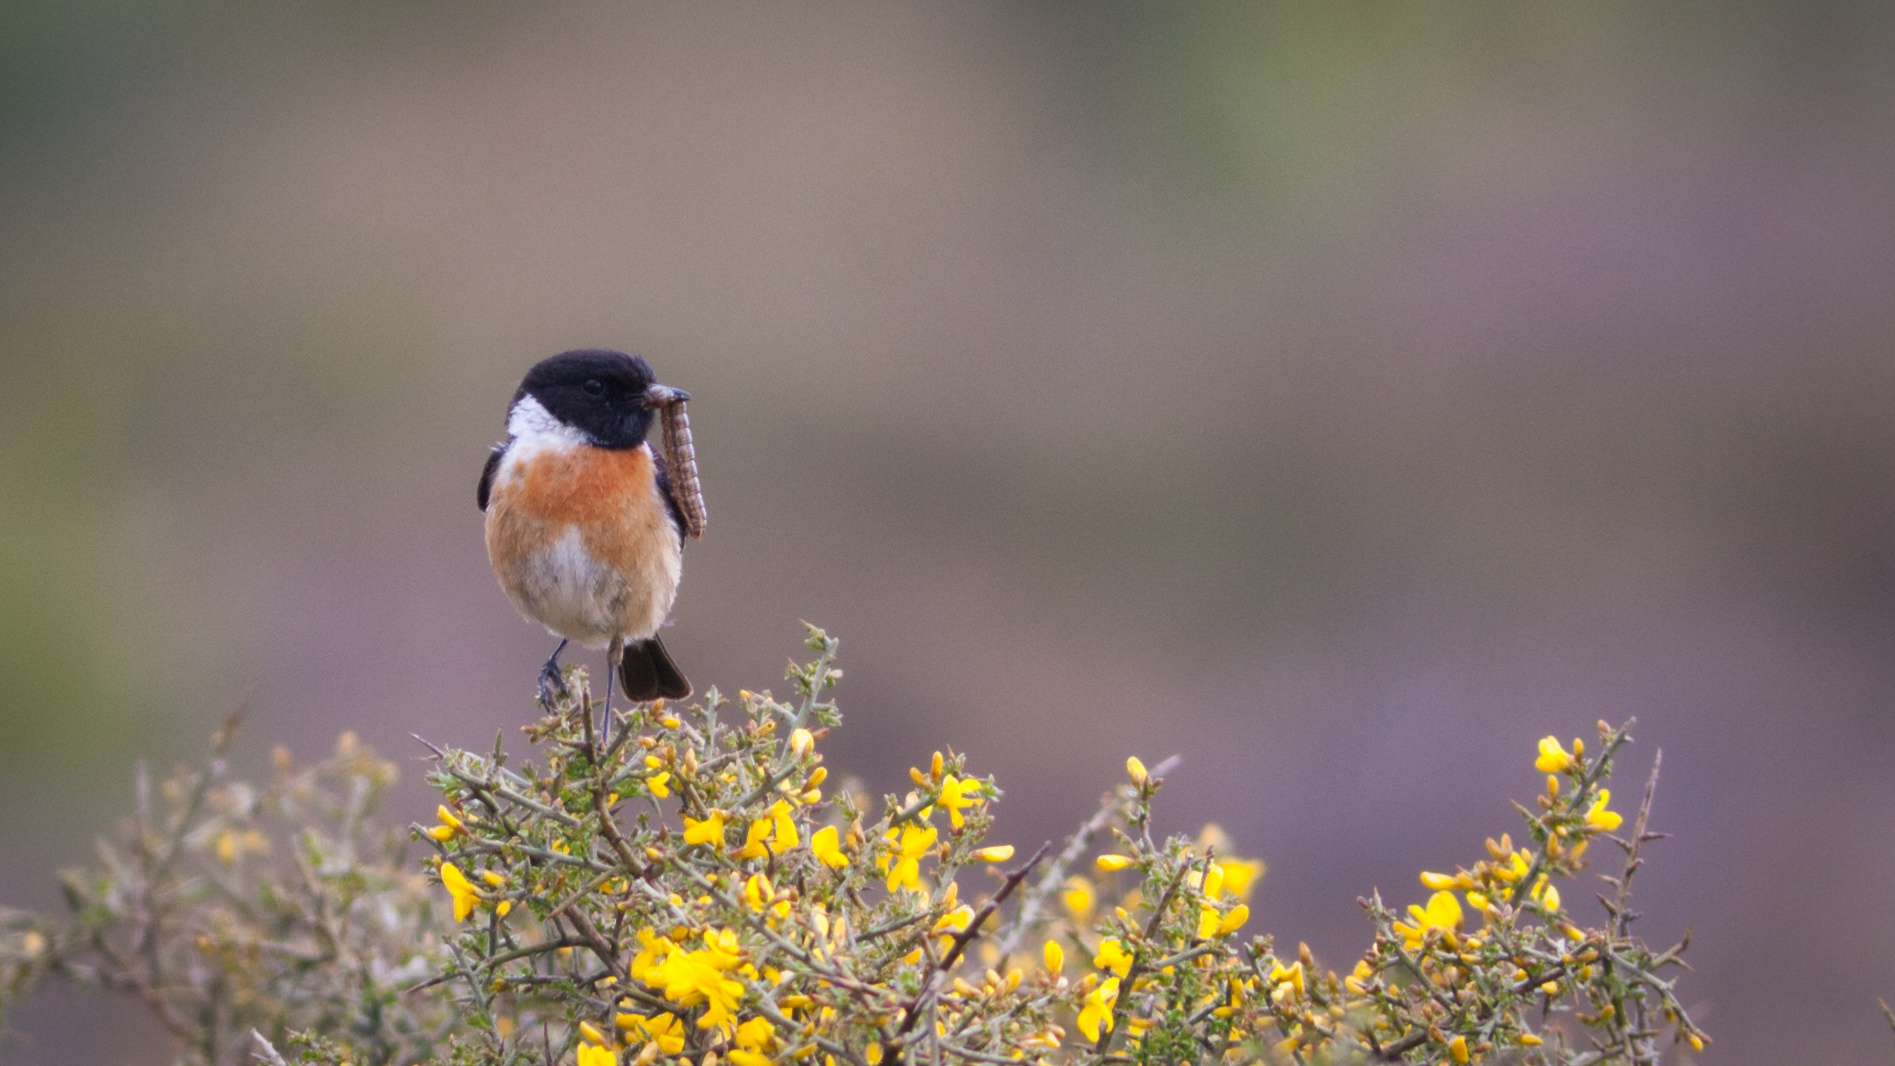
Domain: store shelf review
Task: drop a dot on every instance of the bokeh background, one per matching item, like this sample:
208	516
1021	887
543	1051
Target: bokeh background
1340	396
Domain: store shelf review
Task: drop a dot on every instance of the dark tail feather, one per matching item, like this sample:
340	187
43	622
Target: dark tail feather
647	673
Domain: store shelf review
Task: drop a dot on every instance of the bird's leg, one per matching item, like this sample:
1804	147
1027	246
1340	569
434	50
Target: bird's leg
613	653
552	686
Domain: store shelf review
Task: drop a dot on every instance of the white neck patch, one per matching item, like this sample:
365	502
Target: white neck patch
531	422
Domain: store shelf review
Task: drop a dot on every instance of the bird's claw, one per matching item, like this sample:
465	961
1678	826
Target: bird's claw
552	686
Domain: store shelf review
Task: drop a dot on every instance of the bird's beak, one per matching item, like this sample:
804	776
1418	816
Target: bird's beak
664	396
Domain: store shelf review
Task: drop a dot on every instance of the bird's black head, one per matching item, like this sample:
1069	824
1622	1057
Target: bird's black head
608	396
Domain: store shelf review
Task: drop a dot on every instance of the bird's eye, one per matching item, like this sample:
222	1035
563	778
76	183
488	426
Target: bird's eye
594	387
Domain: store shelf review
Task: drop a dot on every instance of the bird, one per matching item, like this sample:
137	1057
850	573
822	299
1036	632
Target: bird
583	526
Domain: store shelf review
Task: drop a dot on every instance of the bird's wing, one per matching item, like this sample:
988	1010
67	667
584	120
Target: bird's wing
664	489
486	474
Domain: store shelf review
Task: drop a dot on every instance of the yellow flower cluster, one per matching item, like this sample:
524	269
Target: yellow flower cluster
466	897
1512	875
1178	947
699	978
750	874
1527	942
764	925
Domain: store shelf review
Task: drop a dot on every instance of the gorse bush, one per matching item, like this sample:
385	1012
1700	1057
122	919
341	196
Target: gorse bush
686	884
226	907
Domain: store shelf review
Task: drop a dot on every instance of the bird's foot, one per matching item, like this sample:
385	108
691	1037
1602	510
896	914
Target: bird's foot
552	685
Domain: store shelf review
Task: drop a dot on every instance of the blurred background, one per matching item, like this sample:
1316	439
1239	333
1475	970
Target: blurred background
1339	396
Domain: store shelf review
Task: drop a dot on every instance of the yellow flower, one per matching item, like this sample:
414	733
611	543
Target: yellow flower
802	741
501	908
449	826
659	783
1457	1050
1553	758
955	920
1600	818
758	892
1079	897
754	1038
1442	912
663	1029
1207	921
753	847
958	793
722	943
1136	771
1240	875
825	847
1546	893
1515	867
708	831
466	896
1097	1012
1112	863
757	1034
1358	979
905	867
1287	980
594	1055
1213	882
653	949
997	853
1234	920
1054	955
1113	956
783	834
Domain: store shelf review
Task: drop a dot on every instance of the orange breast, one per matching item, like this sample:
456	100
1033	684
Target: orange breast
590	487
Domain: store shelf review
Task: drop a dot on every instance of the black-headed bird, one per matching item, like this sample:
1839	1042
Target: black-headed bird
583	528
